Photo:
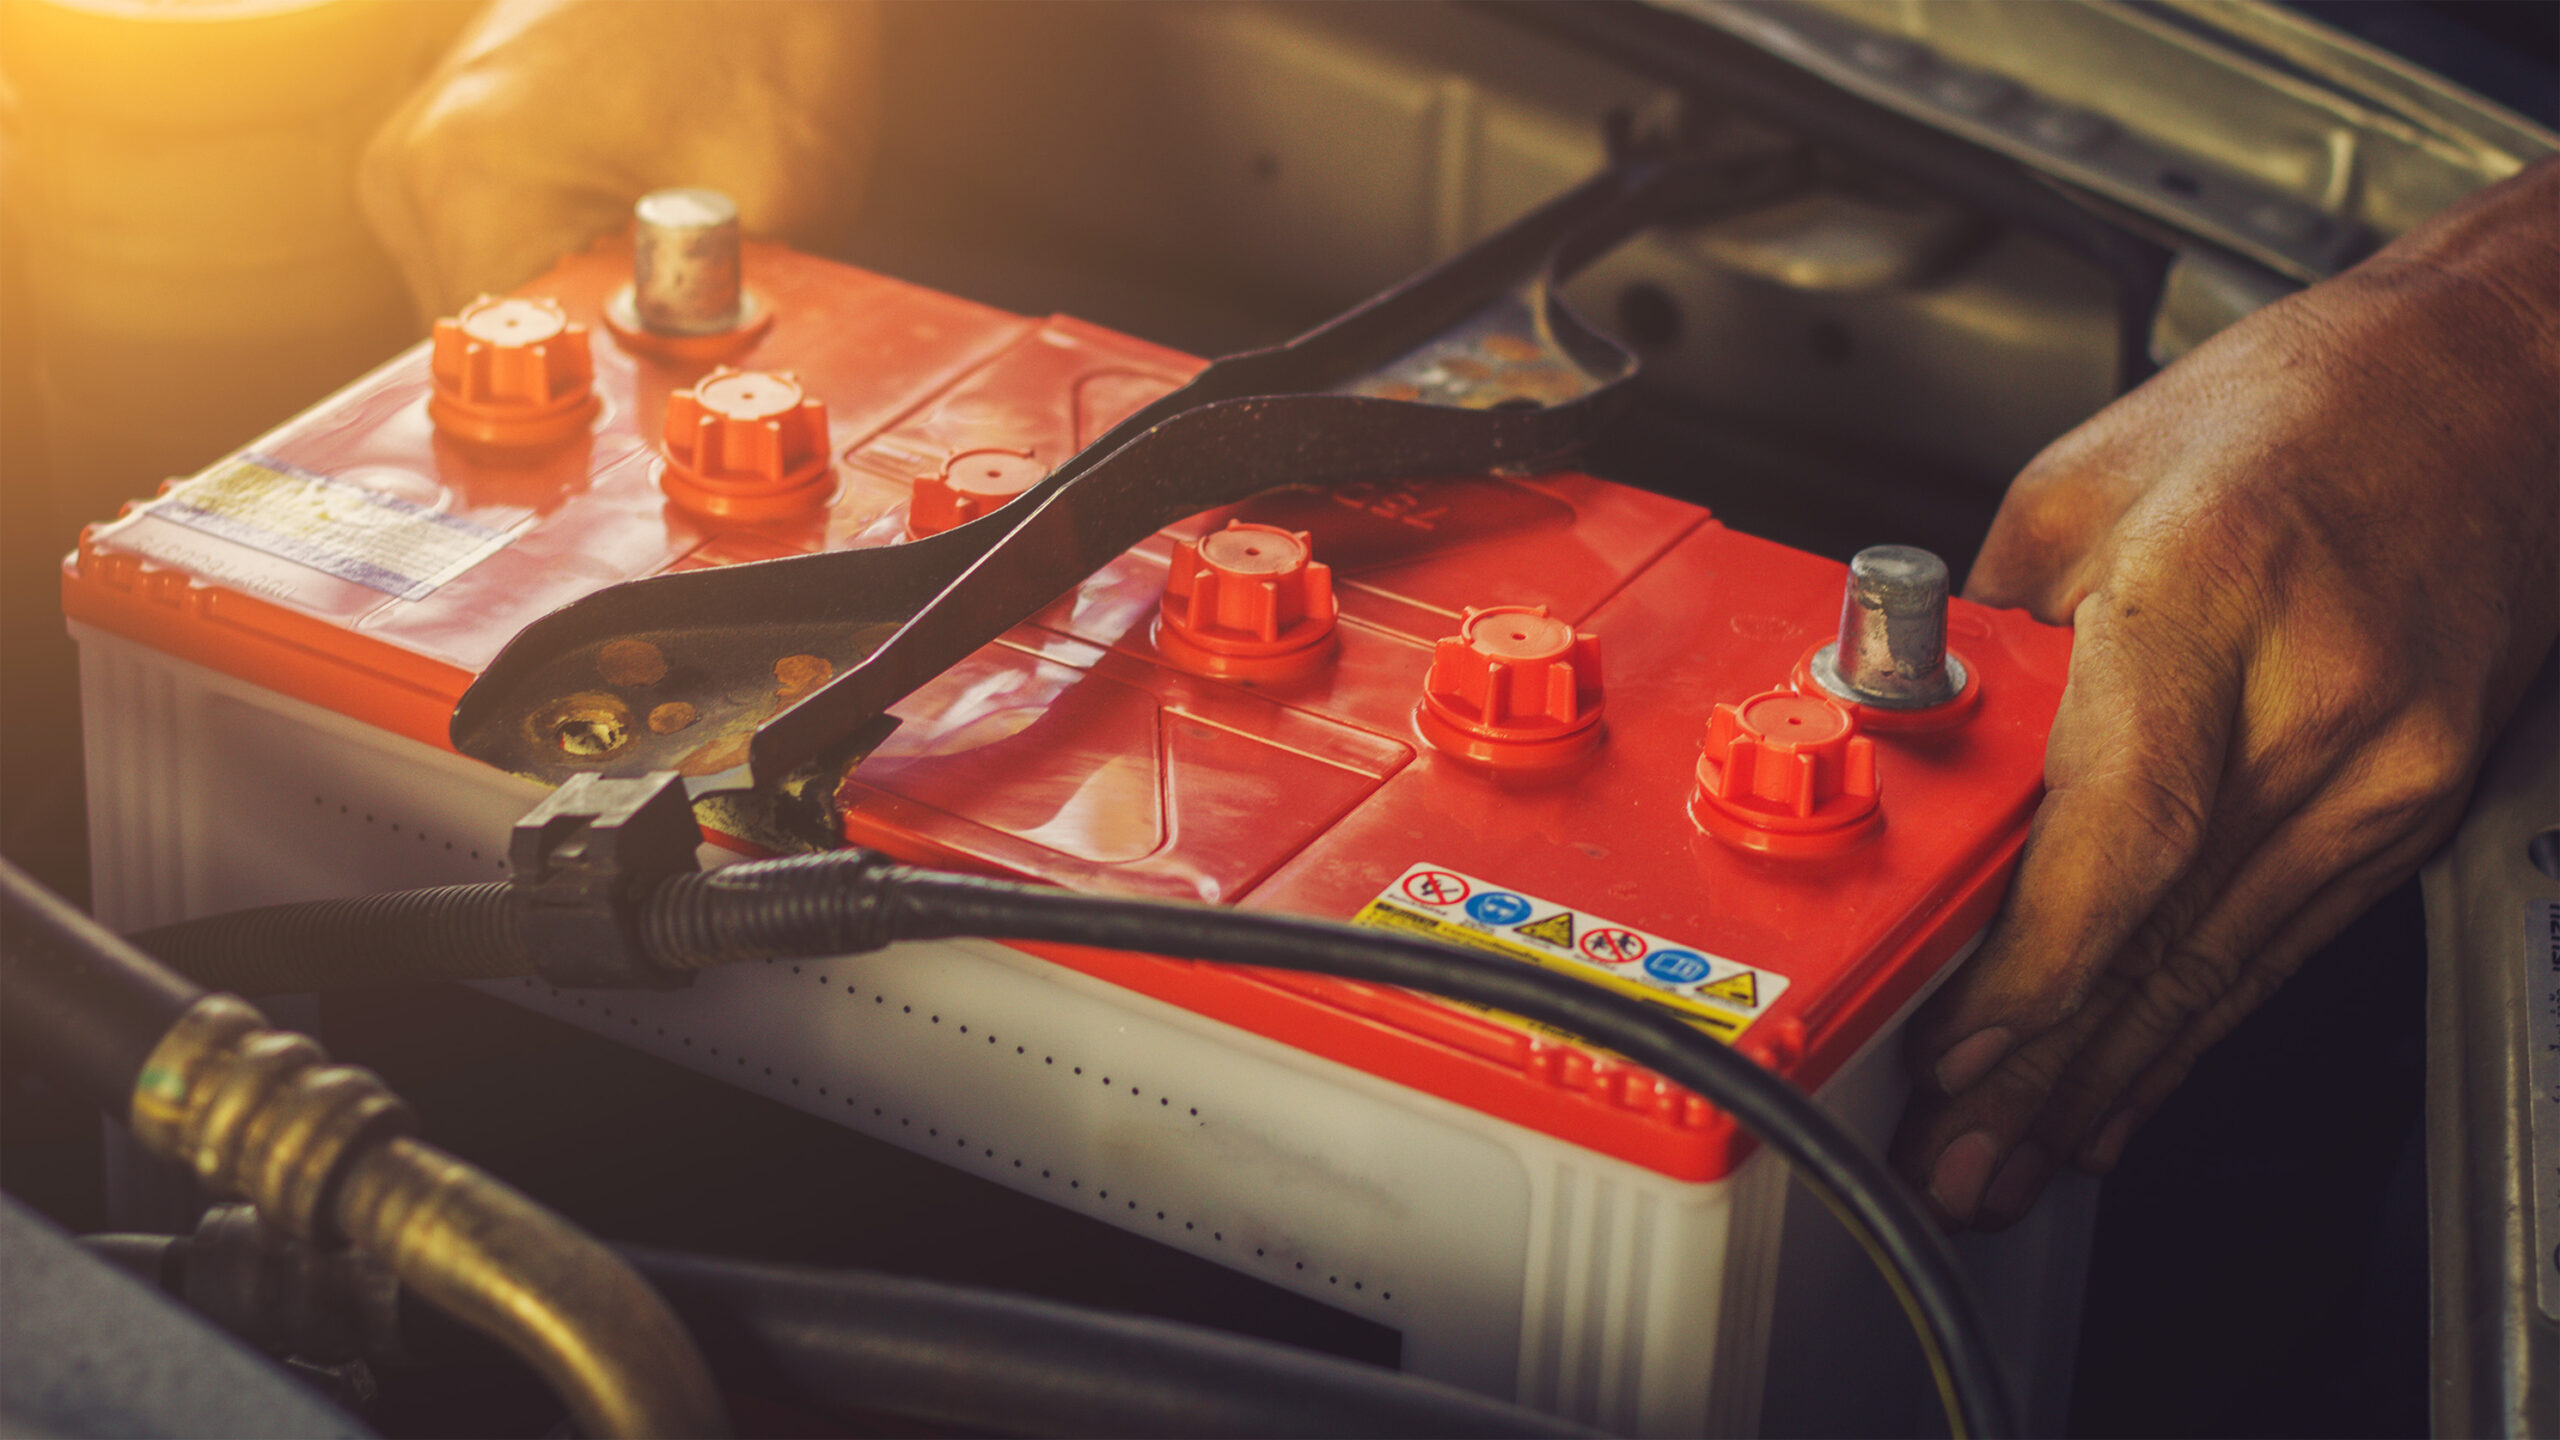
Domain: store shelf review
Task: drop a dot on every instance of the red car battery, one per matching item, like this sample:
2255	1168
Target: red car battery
1549	717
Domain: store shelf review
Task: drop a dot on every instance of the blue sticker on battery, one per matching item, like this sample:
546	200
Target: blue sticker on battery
1677	967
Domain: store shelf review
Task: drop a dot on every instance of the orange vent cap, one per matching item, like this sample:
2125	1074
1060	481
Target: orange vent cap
1249	602
511	372
747	445
1513	689
1786	774
972	483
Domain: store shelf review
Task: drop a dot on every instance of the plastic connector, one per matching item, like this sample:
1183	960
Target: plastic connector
1786	774
972	483
512	373
583	862
747	445
1249	602
1513	690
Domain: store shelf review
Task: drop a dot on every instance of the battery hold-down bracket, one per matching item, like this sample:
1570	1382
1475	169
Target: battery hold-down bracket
580	859
789	663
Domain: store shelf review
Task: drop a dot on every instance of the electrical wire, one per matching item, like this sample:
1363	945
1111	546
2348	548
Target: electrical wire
850	901
1914	1258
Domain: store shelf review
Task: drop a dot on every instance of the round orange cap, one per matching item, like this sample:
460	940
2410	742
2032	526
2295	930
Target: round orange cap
1786	774
1249	602
747	445
972	483
511	372
1513	689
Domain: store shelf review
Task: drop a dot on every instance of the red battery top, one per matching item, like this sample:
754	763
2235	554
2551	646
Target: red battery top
1550	717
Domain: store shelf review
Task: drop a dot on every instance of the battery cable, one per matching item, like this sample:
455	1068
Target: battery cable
847	902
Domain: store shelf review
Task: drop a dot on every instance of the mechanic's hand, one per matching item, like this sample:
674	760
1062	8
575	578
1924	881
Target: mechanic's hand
2310	567
550	117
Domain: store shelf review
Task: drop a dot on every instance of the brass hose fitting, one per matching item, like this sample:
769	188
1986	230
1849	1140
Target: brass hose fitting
259	1113
324	1152
505	1266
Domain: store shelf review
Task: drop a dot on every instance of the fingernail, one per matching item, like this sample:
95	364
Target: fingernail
2101	1154
1962	1170
1971	1058
2020	1180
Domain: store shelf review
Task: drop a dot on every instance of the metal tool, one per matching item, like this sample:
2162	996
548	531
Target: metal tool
785	664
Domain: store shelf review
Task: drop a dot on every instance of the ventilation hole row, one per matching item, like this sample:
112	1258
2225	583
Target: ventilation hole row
1075	1185
997	1041
418	831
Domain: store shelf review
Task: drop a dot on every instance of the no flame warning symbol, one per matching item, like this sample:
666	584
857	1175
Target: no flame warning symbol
1435	887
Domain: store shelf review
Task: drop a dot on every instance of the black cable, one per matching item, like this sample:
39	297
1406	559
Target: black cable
1914	1257
849	1341
86	1006
451	932
851	901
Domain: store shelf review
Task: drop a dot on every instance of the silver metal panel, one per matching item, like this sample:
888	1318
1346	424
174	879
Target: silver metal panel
2496	1362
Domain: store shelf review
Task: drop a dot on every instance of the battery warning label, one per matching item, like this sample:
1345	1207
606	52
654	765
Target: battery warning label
378	541
1719	996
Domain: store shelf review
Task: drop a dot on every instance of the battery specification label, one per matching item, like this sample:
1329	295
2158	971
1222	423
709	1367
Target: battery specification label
1719	996
2542	1040
379	541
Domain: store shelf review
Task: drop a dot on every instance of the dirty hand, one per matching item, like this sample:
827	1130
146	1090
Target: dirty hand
2310	570
550	117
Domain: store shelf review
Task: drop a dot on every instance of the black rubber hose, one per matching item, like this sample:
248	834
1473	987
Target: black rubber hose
855	1343
159	1261
454	932
848	1341
83	1005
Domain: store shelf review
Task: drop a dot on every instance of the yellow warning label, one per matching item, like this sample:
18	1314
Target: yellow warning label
1742	988
1718	995
1556	929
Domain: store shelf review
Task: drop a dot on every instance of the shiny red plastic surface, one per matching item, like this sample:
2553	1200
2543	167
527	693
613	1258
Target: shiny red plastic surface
1071	752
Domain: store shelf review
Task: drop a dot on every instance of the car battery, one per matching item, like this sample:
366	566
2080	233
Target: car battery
1555	719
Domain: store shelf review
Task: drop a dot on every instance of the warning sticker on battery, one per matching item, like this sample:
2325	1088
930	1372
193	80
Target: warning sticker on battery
1719	996
379	541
